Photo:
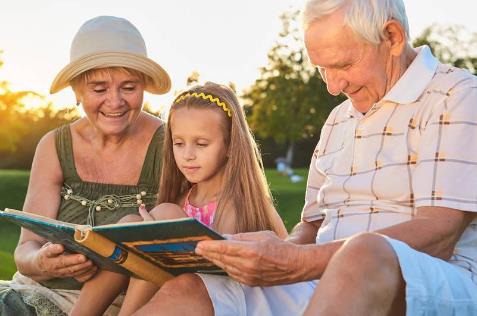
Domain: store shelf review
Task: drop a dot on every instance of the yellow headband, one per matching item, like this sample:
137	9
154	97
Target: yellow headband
206	97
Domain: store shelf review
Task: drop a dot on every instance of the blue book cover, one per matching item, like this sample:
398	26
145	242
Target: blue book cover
168	245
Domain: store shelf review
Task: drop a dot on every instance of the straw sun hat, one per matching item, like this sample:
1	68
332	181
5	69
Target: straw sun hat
107	41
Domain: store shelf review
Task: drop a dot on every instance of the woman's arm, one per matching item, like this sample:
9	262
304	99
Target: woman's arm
35	257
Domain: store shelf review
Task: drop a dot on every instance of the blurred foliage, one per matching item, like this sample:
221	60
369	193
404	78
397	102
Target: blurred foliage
289	102
22	128
451	44
193	78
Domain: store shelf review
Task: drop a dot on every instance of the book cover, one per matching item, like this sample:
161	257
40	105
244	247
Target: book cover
153	250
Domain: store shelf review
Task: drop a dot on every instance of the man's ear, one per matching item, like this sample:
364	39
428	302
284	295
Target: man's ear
395	36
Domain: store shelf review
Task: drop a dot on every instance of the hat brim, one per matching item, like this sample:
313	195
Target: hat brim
158	83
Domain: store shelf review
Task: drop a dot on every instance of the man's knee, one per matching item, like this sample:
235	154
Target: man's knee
370	249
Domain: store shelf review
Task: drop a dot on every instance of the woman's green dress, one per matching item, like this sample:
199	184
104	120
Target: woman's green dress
87	203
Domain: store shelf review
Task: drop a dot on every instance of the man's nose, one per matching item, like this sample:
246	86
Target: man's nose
335	84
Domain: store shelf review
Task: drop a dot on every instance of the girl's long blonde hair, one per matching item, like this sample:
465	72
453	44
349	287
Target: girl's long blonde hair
245	189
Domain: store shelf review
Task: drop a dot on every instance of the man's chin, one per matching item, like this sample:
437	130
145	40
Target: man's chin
361	106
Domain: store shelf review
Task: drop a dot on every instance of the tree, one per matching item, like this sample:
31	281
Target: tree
21	127
289	101
451	45
39	120
12	130
193	78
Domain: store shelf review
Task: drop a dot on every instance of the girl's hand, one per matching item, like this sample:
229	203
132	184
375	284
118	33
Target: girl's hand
52	261
144	213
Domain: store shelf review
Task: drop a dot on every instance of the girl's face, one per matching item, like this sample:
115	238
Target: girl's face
198	144
112	100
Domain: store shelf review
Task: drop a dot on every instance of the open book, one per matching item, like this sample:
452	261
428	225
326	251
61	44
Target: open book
154	251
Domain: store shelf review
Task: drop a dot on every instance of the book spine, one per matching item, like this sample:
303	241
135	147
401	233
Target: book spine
129	260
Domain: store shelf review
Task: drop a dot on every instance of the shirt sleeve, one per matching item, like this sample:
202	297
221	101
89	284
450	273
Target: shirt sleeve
446	170
311	211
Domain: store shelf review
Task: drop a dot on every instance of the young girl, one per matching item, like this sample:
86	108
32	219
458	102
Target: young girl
212	171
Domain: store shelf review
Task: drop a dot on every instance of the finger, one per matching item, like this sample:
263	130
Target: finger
69	260
242	255
75	269
241	277
144	213
84	275
230	247
253	236
53	250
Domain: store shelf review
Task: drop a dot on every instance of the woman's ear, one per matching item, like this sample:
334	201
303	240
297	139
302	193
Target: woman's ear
77	90
395	35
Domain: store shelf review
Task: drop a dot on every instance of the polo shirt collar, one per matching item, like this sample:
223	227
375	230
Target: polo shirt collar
415	79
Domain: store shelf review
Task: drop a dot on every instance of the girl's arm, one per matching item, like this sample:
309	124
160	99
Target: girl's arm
278	224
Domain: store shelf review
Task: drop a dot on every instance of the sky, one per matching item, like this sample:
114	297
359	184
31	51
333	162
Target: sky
224	40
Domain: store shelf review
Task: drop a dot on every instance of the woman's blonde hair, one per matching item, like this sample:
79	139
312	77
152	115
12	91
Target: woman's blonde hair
88	75
245	189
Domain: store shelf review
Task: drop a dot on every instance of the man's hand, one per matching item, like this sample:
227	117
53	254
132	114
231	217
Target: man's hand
256	259
53	261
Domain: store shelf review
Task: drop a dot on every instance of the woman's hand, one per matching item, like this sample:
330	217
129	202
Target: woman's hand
52	261
256	259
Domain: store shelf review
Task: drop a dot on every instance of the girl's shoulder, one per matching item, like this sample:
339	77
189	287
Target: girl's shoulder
182	199
228	221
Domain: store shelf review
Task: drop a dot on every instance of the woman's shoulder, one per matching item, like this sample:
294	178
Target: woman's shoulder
150	122
47	143
46	157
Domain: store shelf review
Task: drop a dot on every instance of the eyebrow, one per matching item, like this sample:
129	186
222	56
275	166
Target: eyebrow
338	64
96	82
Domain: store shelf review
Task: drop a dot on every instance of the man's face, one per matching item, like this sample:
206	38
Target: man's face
347	63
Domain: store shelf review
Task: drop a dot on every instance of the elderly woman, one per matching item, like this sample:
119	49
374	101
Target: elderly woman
94	171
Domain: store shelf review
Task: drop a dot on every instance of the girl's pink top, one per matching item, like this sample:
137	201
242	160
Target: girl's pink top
204	214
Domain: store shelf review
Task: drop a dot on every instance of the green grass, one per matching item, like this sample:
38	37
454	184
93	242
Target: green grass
13	186
289	199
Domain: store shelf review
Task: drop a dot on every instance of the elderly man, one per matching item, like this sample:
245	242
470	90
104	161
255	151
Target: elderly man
388	226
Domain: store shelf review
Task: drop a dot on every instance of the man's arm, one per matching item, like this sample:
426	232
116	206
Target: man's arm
304	232
263	259
433	230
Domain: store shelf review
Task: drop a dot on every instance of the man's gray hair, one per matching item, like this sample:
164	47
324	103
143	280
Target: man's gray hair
365	17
